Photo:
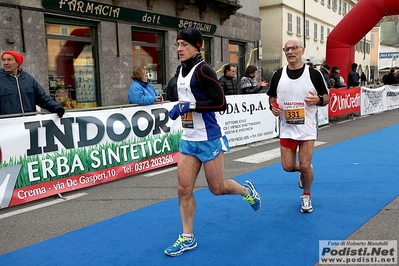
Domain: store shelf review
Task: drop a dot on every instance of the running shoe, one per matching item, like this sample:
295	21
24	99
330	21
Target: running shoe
253	196
182	244
306	204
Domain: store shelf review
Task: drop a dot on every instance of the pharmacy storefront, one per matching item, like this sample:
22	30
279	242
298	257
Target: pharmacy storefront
83	52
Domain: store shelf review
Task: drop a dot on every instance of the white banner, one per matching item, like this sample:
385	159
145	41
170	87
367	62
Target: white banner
322	115
372	100
42	155
248	119
46	134
392	96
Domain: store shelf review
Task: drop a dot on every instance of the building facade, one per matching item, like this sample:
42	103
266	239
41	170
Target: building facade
311	21
83	52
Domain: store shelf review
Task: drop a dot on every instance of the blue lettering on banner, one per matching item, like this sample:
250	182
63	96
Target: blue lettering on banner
389	55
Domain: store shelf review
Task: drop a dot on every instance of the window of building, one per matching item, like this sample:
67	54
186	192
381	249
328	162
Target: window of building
358	46
307	30
334	5
345	8
328	31
315	31
289	23
329	3
148	52
340	11
298	26
363	47
237	57
322	2
321	33
206	49
71	52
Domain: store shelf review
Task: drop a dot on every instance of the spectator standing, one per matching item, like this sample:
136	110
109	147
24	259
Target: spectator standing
203	141
353	76
141	90
336	76
363	79
325	70
228	80
19	91
390	79
384	77
248	82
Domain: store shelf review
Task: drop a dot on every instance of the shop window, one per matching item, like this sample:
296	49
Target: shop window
148	52
205	50
71	65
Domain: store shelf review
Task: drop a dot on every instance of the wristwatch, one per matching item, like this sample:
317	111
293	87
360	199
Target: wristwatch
321	101
193	105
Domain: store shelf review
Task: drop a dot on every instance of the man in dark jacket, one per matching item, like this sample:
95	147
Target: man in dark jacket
353	77
228	80
19	91
391	77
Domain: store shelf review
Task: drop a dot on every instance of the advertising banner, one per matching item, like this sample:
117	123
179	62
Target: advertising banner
46	155
322	115
248	119
392	96
43	155
373	100
344	101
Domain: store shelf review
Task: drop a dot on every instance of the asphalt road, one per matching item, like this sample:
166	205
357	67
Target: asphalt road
27	224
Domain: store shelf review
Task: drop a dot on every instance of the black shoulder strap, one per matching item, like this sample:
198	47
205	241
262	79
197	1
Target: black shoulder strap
177	71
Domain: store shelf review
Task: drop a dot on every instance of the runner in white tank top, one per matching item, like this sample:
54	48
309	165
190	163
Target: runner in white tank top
294	94
203	141
298	121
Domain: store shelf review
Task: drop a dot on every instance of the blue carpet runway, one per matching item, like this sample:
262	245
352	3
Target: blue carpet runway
354	180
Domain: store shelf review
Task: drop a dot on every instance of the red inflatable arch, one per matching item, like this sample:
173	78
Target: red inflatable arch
352	28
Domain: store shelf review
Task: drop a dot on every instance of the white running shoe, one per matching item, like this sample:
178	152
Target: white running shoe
306	204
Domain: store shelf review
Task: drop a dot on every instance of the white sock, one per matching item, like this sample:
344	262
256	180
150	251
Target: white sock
188	236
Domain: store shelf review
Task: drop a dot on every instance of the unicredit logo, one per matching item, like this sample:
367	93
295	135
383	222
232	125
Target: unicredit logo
342	102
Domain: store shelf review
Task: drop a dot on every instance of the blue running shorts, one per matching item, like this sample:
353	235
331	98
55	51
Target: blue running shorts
205	151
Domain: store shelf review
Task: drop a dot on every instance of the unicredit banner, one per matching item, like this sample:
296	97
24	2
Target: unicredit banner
344	101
